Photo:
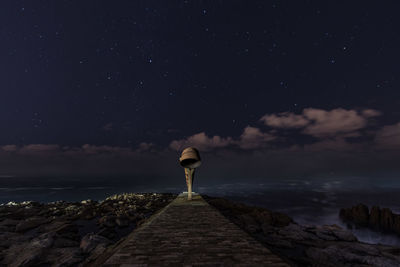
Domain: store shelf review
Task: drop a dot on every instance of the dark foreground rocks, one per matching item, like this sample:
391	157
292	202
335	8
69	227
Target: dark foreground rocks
70	234
377	219
326	245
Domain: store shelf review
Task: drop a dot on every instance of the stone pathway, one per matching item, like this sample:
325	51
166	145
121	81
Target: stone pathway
191	233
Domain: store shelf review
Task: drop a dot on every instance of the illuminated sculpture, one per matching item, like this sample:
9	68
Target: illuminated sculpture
190	160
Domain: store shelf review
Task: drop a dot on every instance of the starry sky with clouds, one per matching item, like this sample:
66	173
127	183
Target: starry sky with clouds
260	87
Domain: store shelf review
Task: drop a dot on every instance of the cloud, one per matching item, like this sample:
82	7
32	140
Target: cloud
253	138
202	142
323	123
389	137
333	122
92	149
285	120
144	147
38	149
9	148
368	113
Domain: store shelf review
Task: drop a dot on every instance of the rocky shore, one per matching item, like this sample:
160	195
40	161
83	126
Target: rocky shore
301	245
77	234
70	234
383	220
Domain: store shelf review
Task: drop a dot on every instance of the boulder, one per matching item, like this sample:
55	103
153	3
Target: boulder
249	223
90	241
396	224
375	217
29	253
108	221
30	223
62	242
122	221
66	257
360	215
386	219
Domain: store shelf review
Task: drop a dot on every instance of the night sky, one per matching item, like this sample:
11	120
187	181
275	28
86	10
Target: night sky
262	88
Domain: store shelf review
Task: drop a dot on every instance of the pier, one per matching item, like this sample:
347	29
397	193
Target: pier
190	233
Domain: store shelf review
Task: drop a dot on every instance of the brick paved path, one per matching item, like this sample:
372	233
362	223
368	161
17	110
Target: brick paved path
191	233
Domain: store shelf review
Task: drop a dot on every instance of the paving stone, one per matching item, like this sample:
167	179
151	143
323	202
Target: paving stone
191	233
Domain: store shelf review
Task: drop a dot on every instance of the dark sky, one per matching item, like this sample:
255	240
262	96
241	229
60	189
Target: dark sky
260	87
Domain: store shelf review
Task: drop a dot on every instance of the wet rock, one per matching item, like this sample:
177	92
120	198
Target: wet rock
378	219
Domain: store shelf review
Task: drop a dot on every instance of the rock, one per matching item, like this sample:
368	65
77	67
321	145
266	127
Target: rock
50	234
354	254
281	220
44	241
29	257
249	223
122	221
87	201
296	232
87	213
343	234
91	241
66	257
378	219
29	253
396	224
386	220
9	222
148	205
107	232
63	242
360	215
108	221
30	223
375	217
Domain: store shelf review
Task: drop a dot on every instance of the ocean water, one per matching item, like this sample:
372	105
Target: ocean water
309	201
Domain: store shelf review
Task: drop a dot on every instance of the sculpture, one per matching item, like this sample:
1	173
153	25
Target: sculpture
190	160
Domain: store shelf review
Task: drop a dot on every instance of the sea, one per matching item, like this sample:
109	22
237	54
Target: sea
309	201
